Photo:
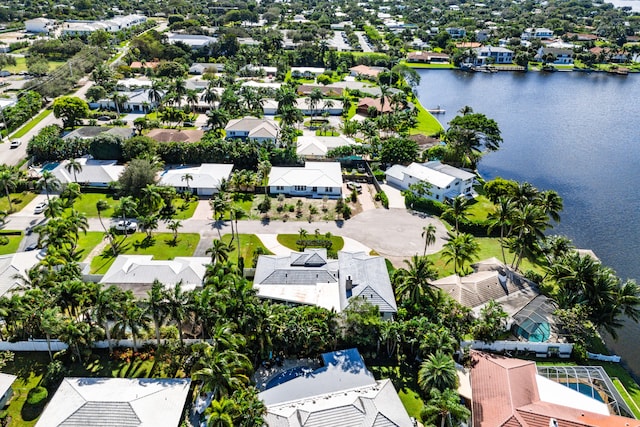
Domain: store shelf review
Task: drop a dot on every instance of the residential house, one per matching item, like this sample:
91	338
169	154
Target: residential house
138	272
194	41
492	55
329	106
253	128
606	54
204	67
133	84
482	35
537	33
366	72
310	278
13	266
468	45
509	392
428	57
6	380
202	180
92	173
39	25
445	182
140	66
137	101
328	90
251	70
315	179
342	392
142	402
176	135
557	55
316	147
86	132
364	104
581	37
491	281
113	25
456	33
306	72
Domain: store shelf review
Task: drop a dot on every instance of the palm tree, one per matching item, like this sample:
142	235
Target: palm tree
314	100
8	181
501	216
127	207
220	372
237	213
458	210
50	322
221	413
192	99
75	166
156	93
186	178
48	182
217	119
460	249
148	223
437	372
445	409
529	224
106	307
551	203
429	236
157	306
219	251
101	206
210	95
132	317
174	225
413	281
179	88
150	198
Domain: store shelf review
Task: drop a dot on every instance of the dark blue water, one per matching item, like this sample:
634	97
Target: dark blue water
576	133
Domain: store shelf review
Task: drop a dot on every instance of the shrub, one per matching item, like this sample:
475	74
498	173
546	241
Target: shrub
346	212
383	198
265	205
37	395
54	375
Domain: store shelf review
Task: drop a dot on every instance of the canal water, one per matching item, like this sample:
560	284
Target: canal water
576	133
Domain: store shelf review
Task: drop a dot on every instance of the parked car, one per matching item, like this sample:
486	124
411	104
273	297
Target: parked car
31	247
15	144
104	118
354	186
40	207
126	226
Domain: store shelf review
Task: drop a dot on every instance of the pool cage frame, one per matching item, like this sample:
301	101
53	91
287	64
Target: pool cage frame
593	376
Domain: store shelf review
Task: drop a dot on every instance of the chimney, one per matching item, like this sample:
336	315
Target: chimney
349	283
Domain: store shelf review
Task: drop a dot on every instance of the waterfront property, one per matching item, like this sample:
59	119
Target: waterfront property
143	402
315	179
445	182
488	55
428	57
311	278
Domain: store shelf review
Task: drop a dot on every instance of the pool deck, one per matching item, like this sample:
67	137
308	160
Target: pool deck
263	375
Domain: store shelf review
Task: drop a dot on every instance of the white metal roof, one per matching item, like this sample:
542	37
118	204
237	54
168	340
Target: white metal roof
15	264
207	175
143	269
116	402
313	174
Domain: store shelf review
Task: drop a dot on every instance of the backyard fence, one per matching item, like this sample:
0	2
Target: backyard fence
541	349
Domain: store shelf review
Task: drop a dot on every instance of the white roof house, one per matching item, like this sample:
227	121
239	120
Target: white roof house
311	278
96	173
446	182
138	272
117	402
205	181
341	393
261	130
315	179
38	25
311	146
12	265
331	106
194	41
5	388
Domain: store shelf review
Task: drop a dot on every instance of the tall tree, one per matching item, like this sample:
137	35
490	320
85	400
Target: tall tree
437	372
75	166
429	236
48	182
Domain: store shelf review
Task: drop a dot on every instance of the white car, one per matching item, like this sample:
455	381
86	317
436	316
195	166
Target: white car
15	144
126	226
40	207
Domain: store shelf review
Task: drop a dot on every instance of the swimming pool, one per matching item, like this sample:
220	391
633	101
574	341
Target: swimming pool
288	375
585	389
49	166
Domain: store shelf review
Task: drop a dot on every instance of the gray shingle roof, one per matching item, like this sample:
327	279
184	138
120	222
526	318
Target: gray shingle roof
103	414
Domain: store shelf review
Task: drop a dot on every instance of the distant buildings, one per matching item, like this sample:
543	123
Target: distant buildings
117	23
39	25
194	41
536	33
428	57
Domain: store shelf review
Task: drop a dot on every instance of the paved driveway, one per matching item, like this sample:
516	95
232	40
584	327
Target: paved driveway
396	199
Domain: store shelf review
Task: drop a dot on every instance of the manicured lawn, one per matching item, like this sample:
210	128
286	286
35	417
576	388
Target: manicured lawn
404	380
87	205
249	243
289	241
427	124
12	247
429	66
162	247
184	210
88	241
352	110
242	201
21	65
18	200
489	247
480	208
31	124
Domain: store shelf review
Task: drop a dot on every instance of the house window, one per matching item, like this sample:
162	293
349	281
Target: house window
279	188
448	186
314	189
300	187
328	189
437	197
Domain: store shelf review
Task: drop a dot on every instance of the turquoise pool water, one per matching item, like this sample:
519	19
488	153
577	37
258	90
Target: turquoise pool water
49	166
585	389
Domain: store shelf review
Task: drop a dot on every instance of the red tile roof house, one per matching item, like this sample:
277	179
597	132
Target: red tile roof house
365	103
428	57
365	71
505	394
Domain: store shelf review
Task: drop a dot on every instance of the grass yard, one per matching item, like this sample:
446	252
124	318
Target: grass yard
249	243
21	65
87	205
18	200
12	247
31	124
184	210
289	241
88	241
489	247
161	247
427	124
404	380
320	132
446	66
479	208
